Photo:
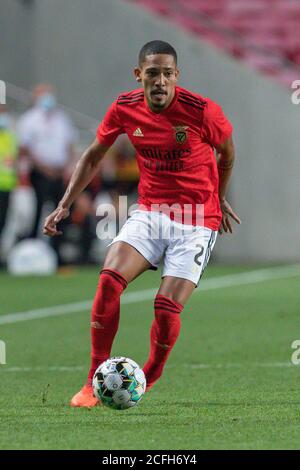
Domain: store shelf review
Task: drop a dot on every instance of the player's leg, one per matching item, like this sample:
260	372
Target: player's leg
125	259
176	289
123	263
184	263
168	305
133	251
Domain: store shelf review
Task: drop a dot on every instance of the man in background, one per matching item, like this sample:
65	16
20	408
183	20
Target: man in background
47	139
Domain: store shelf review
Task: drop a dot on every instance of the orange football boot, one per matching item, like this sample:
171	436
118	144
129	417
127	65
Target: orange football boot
85	398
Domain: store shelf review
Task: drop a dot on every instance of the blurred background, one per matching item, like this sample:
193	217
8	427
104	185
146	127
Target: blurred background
64	61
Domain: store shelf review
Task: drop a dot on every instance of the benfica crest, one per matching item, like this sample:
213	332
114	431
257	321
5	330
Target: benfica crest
181	134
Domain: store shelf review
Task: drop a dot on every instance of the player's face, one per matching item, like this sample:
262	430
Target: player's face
158	75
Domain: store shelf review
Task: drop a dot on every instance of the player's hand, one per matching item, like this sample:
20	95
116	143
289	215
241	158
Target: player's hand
53	219
227	215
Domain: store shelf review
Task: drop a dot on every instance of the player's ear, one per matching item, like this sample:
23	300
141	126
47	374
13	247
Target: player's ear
137	74
176	74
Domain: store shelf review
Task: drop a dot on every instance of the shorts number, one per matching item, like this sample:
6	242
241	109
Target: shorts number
198	255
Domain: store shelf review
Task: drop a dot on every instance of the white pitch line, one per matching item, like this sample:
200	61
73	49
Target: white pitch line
46	312
267	365
41	369
220	282
240	365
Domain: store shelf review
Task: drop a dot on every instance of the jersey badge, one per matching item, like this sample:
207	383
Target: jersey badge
181	134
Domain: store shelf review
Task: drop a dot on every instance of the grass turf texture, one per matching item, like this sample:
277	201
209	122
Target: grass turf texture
222	388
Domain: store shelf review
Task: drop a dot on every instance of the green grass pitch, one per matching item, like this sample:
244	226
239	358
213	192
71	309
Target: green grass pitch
229	383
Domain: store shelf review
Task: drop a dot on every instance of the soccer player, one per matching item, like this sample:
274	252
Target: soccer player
174	132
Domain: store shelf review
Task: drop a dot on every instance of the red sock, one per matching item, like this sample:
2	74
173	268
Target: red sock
164	333
105	317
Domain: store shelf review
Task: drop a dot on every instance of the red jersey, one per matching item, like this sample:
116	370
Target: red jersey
175	150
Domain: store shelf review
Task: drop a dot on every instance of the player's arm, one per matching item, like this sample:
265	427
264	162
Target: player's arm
87	167
226	157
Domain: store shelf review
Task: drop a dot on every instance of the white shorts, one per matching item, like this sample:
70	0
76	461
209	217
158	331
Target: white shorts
183	249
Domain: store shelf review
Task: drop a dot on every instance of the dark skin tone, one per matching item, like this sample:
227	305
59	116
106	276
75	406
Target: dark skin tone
158	75
225	160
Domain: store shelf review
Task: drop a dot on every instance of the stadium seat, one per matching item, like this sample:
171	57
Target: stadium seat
263	33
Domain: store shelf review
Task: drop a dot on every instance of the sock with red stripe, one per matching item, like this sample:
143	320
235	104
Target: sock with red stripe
164	333
105	317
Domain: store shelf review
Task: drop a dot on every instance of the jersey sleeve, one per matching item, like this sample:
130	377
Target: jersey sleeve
110	127
216	128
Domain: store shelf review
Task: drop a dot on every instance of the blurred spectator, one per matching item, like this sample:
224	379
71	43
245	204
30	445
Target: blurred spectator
127	171
119	173
47	139
80	231
8	160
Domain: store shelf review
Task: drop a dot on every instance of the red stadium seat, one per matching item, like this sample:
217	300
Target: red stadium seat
263	33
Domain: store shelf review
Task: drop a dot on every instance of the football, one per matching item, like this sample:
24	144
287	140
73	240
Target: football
119	383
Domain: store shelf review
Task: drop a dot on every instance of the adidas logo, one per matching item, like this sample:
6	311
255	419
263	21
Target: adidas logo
138	132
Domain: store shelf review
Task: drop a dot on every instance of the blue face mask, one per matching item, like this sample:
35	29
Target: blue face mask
4	121
47	102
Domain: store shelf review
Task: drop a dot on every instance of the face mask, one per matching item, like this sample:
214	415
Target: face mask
47	102
4	121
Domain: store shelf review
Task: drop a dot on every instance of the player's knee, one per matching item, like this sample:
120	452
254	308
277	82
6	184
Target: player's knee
116	257
111	282
107	299
110	287
167	303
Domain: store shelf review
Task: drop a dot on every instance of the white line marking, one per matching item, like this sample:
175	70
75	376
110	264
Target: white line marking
221	282
238	365
46	312
42	369
191	366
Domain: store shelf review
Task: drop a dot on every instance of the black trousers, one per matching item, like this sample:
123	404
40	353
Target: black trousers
4	203
46	190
